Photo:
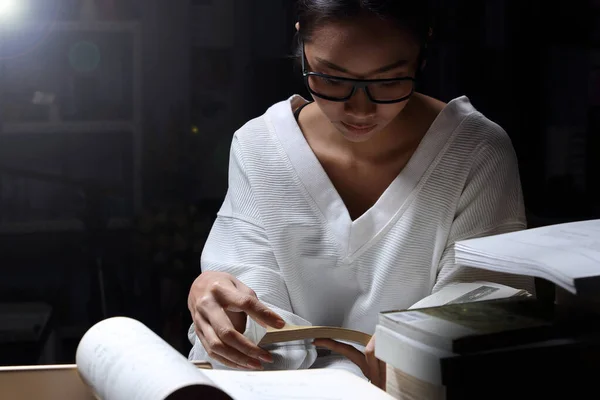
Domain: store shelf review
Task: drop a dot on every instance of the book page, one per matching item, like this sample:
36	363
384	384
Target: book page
122	359
311	384
467	292
560	253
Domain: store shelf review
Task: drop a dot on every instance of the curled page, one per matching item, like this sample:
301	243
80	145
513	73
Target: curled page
122	359
468	291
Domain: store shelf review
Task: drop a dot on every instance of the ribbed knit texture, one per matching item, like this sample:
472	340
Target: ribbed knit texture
284	232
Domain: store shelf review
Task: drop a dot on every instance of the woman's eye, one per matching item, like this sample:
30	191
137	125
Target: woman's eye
331	82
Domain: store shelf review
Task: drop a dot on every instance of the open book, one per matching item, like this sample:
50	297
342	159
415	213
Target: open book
566	254
121	359
293	332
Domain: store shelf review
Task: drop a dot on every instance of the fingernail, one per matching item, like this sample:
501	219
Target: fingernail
280	324
262	324
266	358
254	364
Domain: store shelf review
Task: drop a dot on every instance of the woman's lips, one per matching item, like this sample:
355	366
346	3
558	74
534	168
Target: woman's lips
358	129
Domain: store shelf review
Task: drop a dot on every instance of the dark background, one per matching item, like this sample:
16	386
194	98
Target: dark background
115	127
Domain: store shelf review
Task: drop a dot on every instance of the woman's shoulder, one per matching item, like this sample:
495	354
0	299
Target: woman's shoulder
265	124
472	129
465	138
265	139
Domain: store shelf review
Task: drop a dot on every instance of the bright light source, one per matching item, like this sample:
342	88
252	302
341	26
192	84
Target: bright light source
8	8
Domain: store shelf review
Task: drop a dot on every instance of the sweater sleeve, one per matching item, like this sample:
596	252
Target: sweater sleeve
491	203
238	245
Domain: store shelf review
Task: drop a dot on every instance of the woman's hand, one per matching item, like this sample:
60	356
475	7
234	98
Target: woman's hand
220	305
370	366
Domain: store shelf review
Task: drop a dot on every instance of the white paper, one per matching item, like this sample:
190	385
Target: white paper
472	291
122	359
313	384
559	253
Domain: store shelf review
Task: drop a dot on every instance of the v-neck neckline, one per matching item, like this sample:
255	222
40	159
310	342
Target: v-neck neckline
354	236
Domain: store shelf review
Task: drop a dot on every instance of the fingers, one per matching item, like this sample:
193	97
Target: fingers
199	324
377	368
371	367
382	375
348	351
228	340
220	351
211	301
237	300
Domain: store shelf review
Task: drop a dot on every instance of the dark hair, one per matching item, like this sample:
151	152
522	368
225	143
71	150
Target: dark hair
414	15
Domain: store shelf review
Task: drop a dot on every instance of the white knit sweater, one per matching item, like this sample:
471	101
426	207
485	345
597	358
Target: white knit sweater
285	232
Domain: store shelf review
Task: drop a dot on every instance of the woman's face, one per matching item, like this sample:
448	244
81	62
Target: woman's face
370	49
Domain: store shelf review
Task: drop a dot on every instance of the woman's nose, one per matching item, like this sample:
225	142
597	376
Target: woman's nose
360	106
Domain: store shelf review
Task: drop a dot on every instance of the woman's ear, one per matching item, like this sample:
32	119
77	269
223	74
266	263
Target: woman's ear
297	26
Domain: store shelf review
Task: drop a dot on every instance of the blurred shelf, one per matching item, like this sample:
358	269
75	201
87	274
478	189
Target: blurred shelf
115	83
58	226
99	26
67	127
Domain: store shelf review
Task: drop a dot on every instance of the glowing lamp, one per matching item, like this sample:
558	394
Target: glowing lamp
9	8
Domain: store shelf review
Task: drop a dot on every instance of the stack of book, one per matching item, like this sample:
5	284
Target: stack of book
511	346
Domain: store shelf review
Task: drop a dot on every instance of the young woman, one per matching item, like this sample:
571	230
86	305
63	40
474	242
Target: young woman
350	204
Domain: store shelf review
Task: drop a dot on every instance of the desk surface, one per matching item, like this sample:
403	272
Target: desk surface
56	382
48	382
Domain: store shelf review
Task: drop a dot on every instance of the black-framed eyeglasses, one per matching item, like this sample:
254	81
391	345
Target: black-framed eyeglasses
341	89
